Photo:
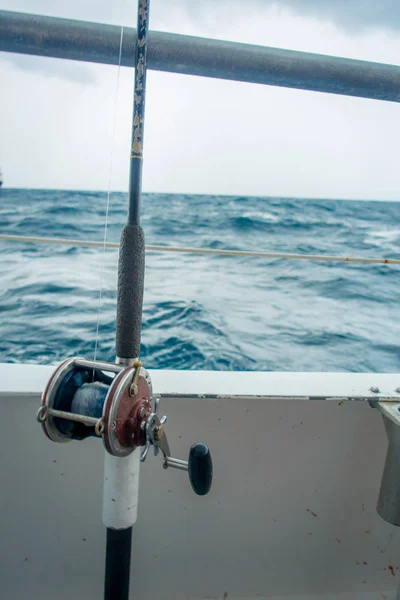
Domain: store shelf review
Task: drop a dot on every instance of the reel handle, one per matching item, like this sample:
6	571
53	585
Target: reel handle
199	466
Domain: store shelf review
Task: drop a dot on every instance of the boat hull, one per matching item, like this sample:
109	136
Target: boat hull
292	512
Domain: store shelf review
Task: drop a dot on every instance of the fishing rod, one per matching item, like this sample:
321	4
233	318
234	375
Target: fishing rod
128	326
115	401
132	251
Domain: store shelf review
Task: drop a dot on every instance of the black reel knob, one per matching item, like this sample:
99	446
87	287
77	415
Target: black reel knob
200	468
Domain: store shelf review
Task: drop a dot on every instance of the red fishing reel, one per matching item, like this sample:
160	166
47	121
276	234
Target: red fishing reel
98	399
86	398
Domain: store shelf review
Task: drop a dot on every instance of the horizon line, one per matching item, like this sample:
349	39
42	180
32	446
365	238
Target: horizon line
264	197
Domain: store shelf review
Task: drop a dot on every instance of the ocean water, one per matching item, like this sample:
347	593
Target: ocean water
205	312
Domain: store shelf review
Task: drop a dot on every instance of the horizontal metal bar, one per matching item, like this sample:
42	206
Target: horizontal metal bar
63	414
272	398
94	42
176	463
100	365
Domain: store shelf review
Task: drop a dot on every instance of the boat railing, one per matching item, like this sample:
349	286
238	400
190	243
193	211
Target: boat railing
187	55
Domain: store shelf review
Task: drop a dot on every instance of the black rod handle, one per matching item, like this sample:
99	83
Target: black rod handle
130	292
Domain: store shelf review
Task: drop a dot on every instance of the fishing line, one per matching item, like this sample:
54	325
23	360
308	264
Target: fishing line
108	199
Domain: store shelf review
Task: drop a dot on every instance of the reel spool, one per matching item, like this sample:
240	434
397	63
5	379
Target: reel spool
98	399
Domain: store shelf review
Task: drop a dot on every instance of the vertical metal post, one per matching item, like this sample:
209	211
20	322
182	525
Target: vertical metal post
121	475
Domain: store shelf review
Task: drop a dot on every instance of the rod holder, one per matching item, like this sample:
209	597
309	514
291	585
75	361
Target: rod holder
388	506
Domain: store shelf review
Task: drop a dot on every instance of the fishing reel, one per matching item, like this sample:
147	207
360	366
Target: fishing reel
115	402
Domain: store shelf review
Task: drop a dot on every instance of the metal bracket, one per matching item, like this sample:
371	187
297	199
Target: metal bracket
388	506
155	434
391	410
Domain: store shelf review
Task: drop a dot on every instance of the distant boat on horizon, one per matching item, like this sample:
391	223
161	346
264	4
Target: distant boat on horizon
1	178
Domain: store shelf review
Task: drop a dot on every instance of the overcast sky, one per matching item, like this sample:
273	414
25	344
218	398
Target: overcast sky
56	117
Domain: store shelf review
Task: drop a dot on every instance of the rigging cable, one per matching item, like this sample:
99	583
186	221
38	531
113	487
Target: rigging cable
211	251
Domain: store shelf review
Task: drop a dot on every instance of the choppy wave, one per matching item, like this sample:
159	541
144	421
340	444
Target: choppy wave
206	312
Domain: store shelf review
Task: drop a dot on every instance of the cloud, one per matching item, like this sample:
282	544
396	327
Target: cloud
354	16
205	135
52	68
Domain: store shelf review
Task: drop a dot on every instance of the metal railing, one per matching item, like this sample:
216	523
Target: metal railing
99	43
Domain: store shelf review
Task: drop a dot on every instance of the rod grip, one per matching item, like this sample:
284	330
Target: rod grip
130	292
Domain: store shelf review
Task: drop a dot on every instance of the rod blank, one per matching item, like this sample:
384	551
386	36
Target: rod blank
187	55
